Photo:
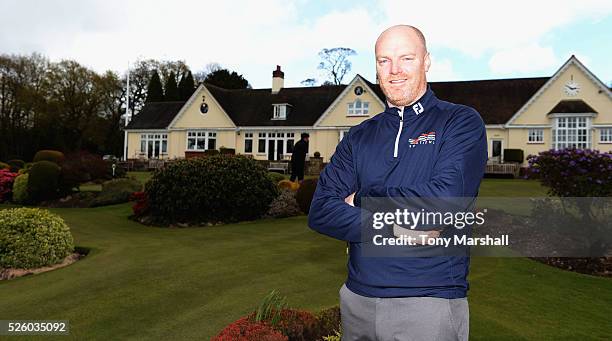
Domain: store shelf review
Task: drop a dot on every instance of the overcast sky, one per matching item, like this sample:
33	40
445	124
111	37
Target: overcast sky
467	39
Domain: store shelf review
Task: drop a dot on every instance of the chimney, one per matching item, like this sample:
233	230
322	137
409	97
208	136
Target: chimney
278	79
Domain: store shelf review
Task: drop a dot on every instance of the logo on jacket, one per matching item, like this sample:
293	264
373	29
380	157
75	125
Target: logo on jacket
425	138
418	108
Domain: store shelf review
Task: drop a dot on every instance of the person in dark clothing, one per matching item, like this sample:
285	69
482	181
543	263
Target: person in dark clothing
298	158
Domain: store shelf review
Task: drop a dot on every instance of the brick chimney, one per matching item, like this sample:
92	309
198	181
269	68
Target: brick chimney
278	79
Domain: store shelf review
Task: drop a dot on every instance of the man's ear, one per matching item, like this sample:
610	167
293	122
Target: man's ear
427	61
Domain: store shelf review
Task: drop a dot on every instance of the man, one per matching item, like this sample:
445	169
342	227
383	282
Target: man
298	157
409	298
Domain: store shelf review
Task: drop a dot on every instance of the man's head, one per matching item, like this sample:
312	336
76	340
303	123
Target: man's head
401	63
305	137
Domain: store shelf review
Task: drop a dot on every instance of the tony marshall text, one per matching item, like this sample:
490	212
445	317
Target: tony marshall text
464	240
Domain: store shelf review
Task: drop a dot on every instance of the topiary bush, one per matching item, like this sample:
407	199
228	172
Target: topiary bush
4	165
116	191
32	237
43	181
20	189
573	172
305	193
15	165
6	184
221	188
49	155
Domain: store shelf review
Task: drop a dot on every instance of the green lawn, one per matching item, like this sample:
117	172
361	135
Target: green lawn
152	283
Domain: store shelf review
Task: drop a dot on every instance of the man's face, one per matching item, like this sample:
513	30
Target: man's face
401	64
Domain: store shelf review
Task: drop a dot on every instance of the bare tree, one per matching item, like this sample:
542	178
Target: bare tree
200	76
309	82
335	63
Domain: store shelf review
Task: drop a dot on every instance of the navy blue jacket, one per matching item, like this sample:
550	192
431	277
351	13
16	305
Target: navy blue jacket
384	157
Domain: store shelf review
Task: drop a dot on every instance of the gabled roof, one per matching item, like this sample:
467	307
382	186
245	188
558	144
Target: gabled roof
155	115
496	100
253	107
572	106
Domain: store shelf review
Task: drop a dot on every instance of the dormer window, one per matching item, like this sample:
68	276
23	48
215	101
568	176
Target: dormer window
358	108
280	111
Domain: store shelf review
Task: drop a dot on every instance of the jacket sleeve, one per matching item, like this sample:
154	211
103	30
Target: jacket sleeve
329	213
460	164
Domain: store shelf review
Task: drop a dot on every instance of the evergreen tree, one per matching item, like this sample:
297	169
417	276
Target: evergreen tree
154	89
228	80
171	92
186	86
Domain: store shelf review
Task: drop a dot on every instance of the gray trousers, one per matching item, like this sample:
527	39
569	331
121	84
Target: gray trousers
403	319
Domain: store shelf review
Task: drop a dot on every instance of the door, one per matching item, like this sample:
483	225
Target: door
279	149
496	150
271	144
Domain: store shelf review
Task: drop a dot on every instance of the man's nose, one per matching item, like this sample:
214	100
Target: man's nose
394	68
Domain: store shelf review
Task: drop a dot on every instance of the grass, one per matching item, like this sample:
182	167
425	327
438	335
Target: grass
152	283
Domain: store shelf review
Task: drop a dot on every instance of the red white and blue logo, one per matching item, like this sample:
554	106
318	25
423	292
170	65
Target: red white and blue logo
425	138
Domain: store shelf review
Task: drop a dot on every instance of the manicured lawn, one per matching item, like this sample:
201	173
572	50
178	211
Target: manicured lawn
153	283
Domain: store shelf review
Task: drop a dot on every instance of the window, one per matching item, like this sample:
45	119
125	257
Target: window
280	112
201	140
358	108
261	146
572	132
605	135
248	142
275	144
154	145
536	135
290	142
343	134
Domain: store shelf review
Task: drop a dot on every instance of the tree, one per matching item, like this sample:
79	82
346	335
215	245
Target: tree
309	82
335	63
171	90
155	93
228	80
186	86
200	76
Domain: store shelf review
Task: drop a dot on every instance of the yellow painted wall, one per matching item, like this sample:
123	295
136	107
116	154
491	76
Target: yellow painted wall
193	118
133	145
589	92
337	117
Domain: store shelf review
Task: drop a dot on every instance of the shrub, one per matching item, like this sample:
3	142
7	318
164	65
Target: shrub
290	185
49	155
296	325
220	188
305	193
211	152
20	189
6	184
116	191
31	237
141	205
4	165
84	166
245	329
514	155
15	165
328	321
43	181
573	172
228	151
276	177
317	154
284	205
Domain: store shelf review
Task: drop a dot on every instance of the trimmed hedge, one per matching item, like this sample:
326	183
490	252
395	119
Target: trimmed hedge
49	155
4	165
31	238
43	181
305	194
514	155
20	189
116	191
16	165
221	188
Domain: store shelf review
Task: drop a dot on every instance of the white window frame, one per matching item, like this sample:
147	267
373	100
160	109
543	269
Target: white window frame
249	136
570	126
605	135
342	134
205	135
358	108
535	135
153	137
279	111
275	135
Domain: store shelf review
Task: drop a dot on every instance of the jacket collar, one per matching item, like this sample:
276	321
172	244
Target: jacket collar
418	108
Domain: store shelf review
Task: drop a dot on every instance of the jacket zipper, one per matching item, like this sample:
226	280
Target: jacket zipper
399	131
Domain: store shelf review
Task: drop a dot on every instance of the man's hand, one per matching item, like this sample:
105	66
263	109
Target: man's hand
349	199
399	231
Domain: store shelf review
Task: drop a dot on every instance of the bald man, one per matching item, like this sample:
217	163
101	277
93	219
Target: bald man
419	147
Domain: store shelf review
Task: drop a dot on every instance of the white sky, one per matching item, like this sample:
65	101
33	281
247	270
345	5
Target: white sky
468	39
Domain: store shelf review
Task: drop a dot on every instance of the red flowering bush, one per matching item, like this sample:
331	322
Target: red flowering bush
6	184
573	172
141	205
246	329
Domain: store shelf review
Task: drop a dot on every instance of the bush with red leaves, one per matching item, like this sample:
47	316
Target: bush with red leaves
141	206
247	330
6	184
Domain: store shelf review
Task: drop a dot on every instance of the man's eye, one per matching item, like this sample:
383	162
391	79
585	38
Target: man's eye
382	61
